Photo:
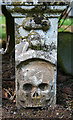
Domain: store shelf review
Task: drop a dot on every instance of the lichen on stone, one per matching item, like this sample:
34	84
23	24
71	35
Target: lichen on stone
36	23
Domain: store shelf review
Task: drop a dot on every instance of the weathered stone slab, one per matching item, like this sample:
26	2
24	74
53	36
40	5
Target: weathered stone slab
36	79
65	46
35	53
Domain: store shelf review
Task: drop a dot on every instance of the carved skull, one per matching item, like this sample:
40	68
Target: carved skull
35	84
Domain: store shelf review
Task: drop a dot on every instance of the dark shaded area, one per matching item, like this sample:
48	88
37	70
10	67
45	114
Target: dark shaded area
65	53
9	28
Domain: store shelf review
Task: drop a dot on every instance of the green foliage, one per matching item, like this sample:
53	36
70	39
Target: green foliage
67	22
2	27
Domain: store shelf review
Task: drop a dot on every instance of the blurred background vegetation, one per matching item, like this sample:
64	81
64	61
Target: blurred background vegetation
2	27
68	23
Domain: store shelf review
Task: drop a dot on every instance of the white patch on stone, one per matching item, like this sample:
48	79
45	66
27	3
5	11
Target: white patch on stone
27	7
35	79
19	21
23	32
45	92
25	74
26	45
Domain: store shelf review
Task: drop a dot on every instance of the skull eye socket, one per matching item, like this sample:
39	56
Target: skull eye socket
27	87
43	86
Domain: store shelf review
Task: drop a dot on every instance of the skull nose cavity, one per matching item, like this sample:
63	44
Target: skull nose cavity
35	95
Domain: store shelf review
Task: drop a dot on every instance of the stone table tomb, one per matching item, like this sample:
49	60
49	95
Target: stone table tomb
35	53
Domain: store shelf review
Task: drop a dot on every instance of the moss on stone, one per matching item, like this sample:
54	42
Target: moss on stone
40	23
36	9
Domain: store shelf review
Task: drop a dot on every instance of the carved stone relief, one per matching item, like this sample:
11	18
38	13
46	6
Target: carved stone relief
36	40
35	47
38	22
35	84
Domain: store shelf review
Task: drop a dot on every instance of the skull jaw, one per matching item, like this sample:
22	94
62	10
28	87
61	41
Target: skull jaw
36	103
26	100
